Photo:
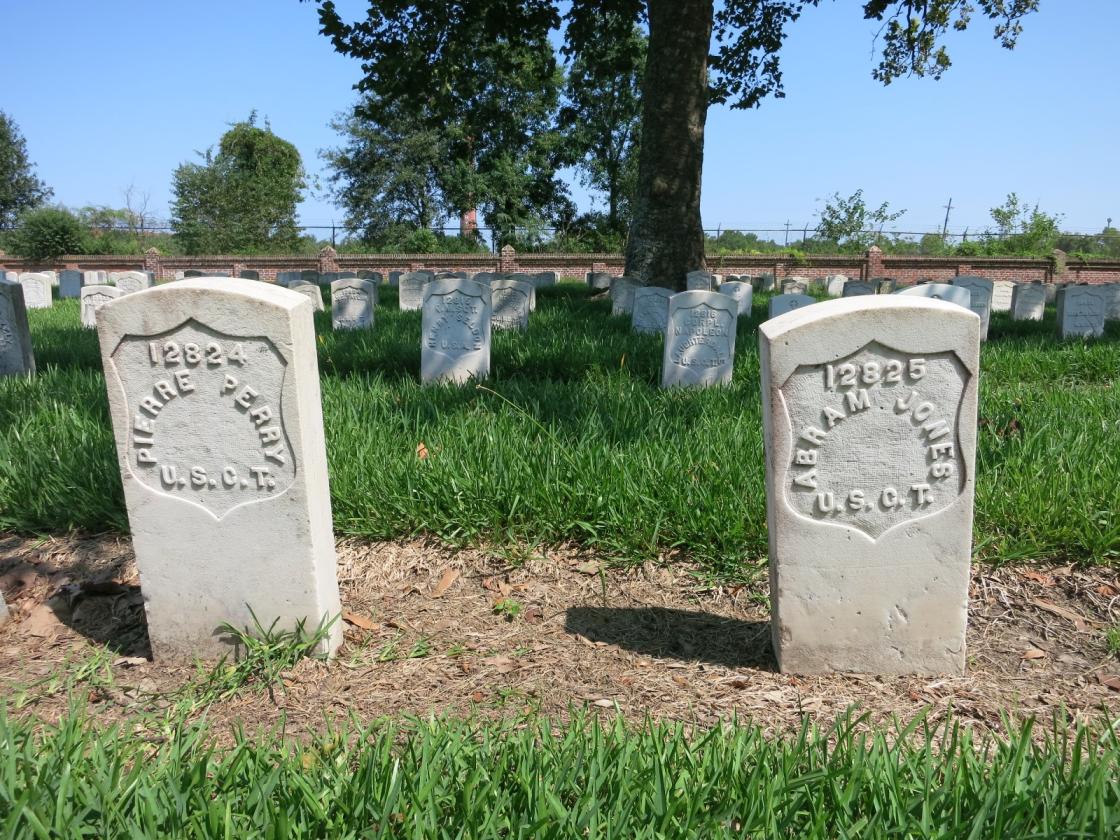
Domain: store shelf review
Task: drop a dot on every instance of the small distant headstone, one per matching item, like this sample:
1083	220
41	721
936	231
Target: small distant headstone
1028	302
347	275
214	394
16	356
51	275
1081	312
372	276
312	292
455	330
651	309
545	278
179	275
327	277
286	278
869	413
598	280
10	276
885	285
855	288
130	282
352	304
36	290
1051	292
412	289
309	275
794	286
69	283
940	291
766	283
92	298
980	291
394	277
699	340
700	281
622	295
510	300
485	277
740	292
249	274
1112	298
834	285
1002	290
783	303
187	274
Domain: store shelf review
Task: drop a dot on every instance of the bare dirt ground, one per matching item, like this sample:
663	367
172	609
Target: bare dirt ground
423	636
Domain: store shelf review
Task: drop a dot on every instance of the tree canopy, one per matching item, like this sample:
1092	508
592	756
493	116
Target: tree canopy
20	188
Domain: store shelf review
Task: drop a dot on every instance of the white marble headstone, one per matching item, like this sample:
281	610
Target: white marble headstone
1081	311
130	282
783	303
16	355
1028	302
940	291
1112	298
411	287
980	299
869	413
455	331
352	304
312	292
1002	290
598	280
795	286
701	281
622	295
92	298
834	285
855	288
651	309
214	393
699	340
510	301
740	292
36	290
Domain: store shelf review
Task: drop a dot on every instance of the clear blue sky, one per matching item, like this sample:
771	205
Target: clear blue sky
118	92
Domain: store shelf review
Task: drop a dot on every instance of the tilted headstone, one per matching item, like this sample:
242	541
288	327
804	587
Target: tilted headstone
455	331
249	274
411	287
352	304
598	280
622	295
1002	290
651	309
834	285
869	412
214	393
16	355
36	290
783	303
740	292
1028	302
856	288
312	292
510	301
1081	311
699	340
93	297
980	291
940	291
69	283
130	282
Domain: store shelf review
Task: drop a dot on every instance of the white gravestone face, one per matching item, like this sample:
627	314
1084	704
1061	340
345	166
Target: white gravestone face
412	289
980	292
1002	291
1028	302
651	309
795	286
700	281
214	394
69	283
311	291
1112	300
1081	311
36	290
740	292
510	300
940	291
92	299
455	331
869	411
352	304
834	284
700	340
622	296
783	303
856	288
16	356
130	282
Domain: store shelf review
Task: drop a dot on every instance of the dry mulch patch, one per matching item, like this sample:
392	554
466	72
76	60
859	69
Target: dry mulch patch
434	630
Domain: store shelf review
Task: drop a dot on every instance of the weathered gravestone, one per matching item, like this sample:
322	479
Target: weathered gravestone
1081	311
545	278
783	303
395	277
327	277
312	292
940	291
598	280
69	283
510	303
622	295
16	356
287	278
92	299
249	274
484	277
214	394
36	290
651	309
980	299
1002	292
411	287
352	304
857	288
347	275
834	285
309	275
701	281
10	276
455	331
885	285
699	340
1028	302
869	411
130	282
187	274
1112	301
795	286
1051	292
740	292
372	276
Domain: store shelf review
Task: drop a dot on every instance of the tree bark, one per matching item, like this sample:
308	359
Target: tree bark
666	236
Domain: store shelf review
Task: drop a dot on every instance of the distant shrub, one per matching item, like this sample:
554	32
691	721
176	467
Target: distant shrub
47	233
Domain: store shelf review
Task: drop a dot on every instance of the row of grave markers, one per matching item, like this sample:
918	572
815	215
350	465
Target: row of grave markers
870	429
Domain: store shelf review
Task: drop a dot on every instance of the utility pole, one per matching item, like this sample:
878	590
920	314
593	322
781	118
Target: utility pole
945	227
786	245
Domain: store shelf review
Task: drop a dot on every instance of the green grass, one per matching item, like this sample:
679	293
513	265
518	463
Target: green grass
571	439
534	779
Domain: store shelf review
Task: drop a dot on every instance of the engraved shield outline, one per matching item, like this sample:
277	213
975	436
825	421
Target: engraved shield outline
126	402
732	318
964	462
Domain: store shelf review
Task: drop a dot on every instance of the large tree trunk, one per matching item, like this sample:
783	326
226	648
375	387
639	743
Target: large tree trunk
666	237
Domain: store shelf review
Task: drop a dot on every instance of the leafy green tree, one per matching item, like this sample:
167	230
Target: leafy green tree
20	189
851	225
1021	229
241	199
47	233
426	49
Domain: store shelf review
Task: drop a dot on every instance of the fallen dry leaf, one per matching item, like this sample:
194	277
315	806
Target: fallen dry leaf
501	664
1112	682
477	696
421	451
445	582
130	661
1108	590
358	620
604	703
588	568
42	622
1079	622
533	615
681	681
1033	653
1038	577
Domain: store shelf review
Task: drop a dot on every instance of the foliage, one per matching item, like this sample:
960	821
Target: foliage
406	239
242	199
851	225
20	189
46	234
